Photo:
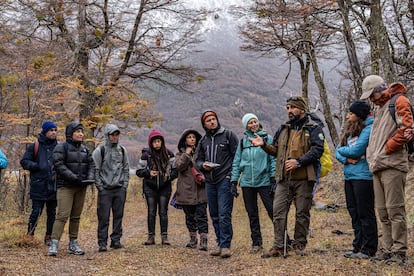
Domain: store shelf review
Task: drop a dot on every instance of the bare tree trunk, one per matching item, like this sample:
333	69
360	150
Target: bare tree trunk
379	41
350	48
323	96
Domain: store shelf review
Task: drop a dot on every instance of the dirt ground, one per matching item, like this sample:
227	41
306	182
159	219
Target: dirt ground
329	238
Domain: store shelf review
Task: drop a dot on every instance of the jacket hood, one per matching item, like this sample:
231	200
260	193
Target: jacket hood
181	142
71	128
155	133
109	129
393	88
397	88
203	117
316	119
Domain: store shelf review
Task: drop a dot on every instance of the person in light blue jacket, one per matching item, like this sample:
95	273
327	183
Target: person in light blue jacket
3	160
359	191
257	170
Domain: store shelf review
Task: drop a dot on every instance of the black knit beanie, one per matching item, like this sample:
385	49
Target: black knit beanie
361	109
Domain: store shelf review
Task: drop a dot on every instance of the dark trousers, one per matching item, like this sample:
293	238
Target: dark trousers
157	200
37	208
196	218
250	203
360	204
110	200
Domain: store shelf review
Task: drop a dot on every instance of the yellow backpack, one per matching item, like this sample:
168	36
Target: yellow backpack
326	161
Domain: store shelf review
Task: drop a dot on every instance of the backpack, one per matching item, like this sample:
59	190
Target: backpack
325	160
35	148
391	107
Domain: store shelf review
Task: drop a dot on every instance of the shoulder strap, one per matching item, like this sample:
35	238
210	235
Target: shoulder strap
103	152
241	144
391	106
35	148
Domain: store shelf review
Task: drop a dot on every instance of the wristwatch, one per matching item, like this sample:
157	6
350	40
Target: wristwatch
298	164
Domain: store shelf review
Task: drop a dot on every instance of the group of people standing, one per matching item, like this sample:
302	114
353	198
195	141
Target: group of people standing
280	169
59	176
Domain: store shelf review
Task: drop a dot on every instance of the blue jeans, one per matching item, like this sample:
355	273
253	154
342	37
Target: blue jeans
220	206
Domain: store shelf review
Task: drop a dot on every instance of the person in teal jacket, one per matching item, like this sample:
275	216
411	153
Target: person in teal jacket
257	170
3	160
359	189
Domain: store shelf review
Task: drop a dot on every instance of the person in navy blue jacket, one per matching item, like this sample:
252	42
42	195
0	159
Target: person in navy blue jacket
38	160
359	191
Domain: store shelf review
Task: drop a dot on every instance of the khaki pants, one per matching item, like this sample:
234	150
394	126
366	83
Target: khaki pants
389	189
300	191
70	202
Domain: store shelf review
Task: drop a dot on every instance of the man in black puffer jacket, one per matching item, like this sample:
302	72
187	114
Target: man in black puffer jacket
75	170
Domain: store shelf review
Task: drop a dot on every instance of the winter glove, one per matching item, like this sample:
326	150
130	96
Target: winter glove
233	189
273	185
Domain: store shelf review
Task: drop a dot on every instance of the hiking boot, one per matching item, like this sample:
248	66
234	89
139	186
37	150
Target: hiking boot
255	249
216	251
348	254
164	240
300	250
273	252
53	248
203	244
359	255
48	240
225	253
116	245
192	243
149	241
102	248
397	258
382	256
74	248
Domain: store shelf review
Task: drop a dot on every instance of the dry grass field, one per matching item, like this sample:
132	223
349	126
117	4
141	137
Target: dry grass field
326	247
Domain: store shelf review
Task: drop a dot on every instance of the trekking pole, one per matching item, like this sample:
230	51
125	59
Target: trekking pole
285	238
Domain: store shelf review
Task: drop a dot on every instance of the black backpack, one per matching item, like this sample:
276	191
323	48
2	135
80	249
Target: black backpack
410	144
